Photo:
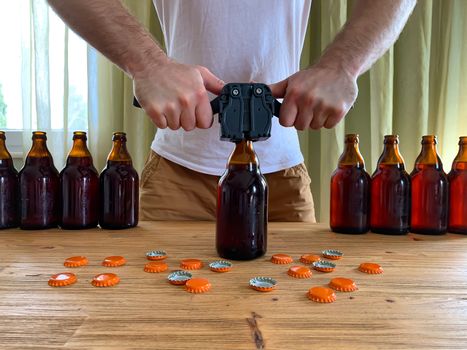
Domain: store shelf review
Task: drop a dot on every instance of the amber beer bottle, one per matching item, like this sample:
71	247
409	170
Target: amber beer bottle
429	183
458	190
350	191
39	187
9	188
242	206
390	191
119	192
79	184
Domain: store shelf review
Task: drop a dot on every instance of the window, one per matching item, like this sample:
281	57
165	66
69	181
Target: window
43	72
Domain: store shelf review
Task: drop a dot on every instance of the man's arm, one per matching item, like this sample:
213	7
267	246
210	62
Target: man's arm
322	94
172	94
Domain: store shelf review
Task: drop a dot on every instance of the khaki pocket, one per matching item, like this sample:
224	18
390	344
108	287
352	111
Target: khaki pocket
150	167
299	171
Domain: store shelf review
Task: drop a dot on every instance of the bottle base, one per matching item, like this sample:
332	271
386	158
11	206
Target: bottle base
428	231
116	227
390	231
77	227
237	256
4	227
37	227
350	230
459	229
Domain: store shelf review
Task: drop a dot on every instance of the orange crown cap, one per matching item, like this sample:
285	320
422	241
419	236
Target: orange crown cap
105	280
155	266
321	295
370	268
281	259
76	261
62	279
197	285
299	272
309	258
114	261
191	264
342	284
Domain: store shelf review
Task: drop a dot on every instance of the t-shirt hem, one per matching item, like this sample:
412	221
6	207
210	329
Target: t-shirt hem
218	172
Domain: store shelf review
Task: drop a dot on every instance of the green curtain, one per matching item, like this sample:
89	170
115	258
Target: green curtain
115	109
418	87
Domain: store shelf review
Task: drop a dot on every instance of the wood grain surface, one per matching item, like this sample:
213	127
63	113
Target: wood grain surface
420	302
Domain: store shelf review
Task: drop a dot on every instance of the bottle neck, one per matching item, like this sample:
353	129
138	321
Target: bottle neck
460	162
4	154
79	154
428	156
351	156
243	156
391	156
119	153
5	157
39	149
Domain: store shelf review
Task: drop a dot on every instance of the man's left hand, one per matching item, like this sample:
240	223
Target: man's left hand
315	97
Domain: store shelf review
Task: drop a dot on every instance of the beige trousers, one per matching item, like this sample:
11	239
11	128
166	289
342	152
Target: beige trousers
172	192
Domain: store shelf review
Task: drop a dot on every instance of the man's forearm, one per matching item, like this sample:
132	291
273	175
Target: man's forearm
372	28
110	28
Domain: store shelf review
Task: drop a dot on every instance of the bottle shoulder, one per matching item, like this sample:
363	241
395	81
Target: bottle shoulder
79	171
119	170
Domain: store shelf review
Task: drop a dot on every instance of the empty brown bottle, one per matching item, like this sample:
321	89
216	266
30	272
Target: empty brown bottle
390	191
350	191
79	185
429	183
39	187
9	188
242	206
458	190
119	188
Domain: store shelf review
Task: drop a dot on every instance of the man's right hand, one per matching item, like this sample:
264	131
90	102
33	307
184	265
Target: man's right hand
175	95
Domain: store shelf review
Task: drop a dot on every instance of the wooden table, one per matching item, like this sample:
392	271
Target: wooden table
420	302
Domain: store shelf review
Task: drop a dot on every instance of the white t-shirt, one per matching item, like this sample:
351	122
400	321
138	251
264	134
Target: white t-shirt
239	41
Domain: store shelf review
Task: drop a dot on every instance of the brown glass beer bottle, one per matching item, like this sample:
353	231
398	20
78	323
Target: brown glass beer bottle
429	187
390	191
9	188
119	188
39	187
79	184
242	206
458	190
350	191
